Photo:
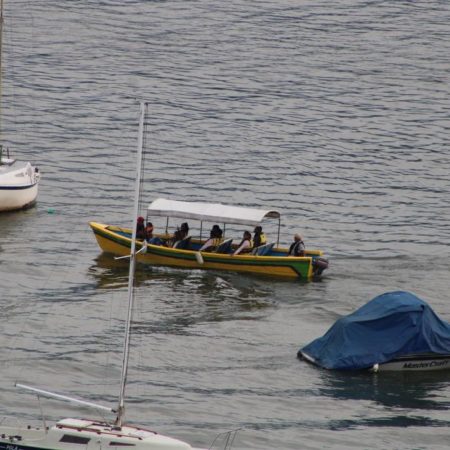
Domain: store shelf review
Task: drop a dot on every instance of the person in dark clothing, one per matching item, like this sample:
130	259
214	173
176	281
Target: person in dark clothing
140	228
259	238
151	239
180	233
297	248
216	232
149	231
184	229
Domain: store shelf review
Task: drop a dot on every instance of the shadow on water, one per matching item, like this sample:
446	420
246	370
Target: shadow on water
418	390
186	298
393	400
110	273
113	274
171	300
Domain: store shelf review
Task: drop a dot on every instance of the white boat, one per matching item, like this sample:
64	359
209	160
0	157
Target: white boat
85	434
19	181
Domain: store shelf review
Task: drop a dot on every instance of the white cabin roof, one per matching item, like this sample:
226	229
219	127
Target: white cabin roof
113	437
212	212
75	423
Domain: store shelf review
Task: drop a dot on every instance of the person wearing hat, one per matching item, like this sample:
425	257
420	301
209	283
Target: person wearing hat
259	238
140	228
297	248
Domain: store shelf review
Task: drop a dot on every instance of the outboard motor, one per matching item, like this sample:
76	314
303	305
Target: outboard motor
319	265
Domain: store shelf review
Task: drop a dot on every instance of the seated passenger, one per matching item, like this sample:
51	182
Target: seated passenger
245	245
154	240
148	231
297	248
215	238
184	229
259	238
140	228
178	235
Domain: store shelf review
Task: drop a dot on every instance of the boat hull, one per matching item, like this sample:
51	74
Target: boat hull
71	434
17	197
114	240
411	363
415	363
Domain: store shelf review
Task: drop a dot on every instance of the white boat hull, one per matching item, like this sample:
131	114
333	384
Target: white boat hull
410	363
18	185
76	434
18	197
415	363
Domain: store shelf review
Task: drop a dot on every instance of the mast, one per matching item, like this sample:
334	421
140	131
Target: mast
126	346
1	73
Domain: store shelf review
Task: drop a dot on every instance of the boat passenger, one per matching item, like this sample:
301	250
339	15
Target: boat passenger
245	245
297	248
259	238
184	229
154	240
180	233
177	237
215	238
140	228
149	231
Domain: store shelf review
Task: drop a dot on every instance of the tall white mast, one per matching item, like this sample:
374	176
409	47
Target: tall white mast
126	347
1	73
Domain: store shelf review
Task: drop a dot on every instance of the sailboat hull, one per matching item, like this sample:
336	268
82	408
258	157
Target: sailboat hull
18	197
19	183
80	434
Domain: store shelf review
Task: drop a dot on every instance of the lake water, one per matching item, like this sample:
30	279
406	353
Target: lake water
337	114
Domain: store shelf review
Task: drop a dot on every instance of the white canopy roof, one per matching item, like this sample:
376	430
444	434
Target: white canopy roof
212	212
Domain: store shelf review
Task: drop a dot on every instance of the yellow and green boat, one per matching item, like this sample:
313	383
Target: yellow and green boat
268	260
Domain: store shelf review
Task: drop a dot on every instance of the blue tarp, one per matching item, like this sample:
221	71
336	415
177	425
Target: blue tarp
391	325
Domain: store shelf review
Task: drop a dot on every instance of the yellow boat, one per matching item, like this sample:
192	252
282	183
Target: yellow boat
267	260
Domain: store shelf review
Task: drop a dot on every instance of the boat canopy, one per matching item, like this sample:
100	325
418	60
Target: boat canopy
391	325
212	212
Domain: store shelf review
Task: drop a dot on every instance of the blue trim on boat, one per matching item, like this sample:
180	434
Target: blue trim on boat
16	188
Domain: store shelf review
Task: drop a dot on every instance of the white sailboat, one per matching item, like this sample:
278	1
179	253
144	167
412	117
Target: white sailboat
19	180
84	434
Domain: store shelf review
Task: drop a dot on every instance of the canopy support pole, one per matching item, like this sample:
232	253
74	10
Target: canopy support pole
279	226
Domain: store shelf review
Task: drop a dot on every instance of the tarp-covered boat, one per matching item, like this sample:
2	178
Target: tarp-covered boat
268	259
394	331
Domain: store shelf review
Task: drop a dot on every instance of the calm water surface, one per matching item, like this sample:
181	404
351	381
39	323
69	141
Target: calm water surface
334	113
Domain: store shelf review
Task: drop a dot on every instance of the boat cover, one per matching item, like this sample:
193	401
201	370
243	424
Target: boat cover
212	212
391	325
